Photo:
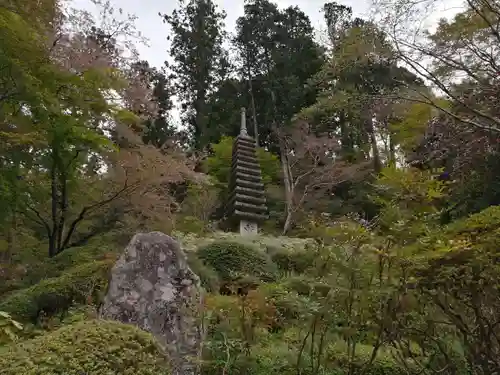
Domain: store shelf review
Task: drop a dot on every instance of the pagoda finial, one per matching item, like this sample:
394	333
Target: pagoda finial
243	129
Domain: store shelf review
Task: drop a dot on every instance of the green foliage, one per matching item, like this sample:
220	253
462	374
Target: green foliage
306	286
292	260
263	359
233	261
290	306
384	364
269	165
482	223
68	259
265	243
81	284
219	164
456	273
190	224
91	347
279	55
199	204
200	62
409	130
410	201
208	277
400	292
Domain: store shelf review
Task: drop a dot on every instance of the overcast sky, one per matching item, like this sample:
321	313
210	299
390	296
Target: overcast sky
152	27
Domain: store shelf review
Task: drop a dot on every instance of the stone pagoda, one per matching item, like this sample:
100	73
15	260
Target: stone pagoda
247	202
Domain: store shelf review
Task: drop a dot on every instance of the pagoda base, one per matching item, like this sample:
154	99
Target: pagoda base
248	228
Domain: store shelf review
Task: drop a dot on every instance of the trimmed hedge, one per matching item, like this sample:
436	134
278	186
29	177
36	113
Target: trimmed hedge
91	348
235	261
57	294
292	260
208	277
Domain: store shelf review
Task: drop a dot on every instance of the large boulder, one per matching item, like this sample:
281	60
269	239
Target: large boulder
153	287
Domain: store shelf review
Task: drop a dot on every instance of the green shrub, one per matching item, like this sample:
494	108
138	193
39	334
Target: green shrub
208	277
90	348
69	258
290	306
383	364
291	260
80	284
233	261
305	286
262	360
485	221
190	224
275	355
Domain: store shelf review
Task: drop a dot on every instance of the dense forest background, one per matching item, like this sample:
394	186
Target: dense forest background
378	143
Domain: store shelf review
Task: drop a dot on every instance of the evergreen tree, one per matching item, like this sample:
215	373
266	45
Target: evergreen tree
276	56
200	62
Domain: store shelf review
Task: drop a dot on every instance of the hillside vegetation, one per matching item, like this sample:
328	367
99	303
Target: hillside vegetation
379	154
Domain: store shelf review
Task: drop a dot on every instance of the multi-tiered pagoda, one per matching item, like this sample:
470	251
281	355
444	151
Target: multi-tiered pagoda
247	202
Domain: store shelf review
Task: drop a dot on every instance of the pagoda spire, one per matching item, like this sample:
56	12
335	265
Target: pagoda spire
243	126
246	206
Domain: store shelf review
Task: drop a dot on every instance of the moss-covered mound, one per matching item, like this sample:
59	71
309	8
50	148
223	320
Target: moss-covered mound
69	258
80	284
90	348
233	261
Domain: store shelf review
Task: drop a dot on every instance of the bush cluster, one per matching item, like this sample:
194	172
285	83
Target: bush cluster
81	284
234	261
208	277
292	260
90	348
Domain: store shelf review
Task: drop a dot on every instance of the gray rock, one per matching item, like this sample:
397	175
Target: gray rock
153	288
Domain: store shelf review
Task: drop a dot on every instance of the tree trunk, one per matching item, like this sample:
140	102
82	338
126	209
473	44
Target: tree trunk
254	112
54	204
201	94
52	246
63	204
392	150
377	163
287	173
11	238
201	127
345	139
288	221
287	181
